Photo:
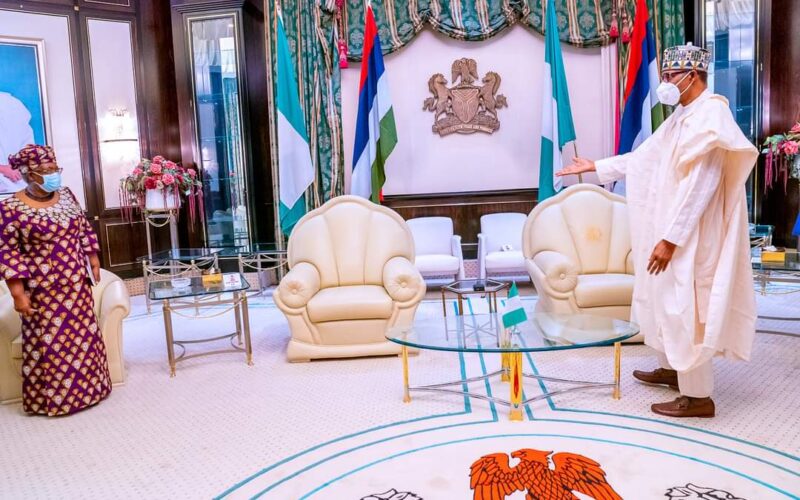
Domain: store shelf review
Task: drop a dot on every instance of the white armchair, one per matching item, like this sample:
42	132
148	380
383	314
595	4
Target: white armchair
437	249
500	244
111	305
351	279
578	253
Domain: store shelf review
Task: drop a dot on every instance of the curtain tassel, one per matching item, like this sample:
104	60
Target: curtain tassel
613	31
341	42
626	29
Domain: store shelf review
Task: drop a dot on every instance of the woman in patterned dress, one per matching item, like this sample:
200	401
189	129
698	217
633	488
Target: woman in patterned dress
45	244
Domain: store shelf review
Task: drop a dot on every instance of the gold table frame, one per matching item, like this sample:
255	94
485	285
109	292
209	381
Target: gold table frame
238	303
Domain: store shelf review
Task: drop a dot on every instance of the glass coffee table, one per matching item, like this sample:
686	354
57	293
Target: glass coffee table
484	333
467	287
173	295
786	271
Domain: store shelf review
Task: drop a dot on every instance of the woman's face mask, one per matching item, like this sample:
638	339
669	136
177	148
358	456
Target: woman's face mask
50	182
669	93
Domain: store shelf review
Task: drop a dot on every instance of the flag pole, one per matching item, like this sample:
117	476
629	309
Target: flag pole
575	145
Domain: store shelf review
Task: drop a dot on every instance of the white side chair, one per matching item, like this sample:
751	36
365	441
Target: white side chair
438	250
500	245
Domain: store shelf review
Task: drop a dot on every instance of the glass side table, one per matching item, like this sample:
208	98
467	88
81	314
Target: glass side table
203	295
467	287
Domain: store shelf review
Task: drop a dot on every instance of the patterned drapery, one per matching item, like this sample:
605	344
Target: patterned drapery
583	23
311	26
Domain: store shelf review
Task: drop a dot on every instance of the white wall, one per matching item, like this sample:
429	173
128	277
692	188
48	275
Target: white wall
424	162
54	31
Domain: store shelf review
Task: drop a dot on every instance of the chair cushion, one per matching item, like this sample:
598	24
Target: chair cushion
437	263
16	348
505	261
602	290
350	302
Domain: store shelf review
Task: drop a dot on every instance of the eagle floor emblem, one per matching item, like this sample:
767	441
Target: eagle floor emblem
492	478
465	108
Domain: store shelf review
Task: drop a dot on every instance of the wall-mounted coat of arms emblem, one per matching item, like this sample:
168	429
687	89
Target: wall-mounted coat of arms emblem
465	108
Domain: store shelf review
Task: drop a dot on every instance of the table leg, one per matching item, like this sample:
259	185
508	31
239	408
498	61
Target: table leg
505	365
170	338
248	345
493	301
444	303
237	315
146	282
460	305
617	362
406	393
515	415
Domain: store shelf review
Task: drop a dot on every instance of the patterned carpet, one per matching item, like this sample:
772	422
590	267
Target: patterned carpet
339	430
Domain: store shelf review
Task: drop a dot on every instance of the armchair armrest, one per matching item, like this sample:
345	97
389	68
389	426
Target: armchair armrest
402	281
455	250
299	285
629	269
115	298
482	251
560	272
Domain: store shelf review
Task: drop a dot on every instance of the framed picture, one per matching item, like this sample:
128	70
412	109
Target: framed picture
23	98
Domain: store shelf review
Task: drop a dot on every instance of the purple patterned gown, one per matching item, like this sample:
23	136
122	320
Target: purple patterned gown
64	364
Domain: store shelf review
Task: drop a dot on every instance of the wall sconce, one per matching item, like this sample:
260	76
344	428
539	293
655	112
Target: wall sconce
118	126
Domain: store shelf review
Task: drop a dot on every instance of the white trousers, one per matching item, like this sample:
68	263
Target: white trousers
696	383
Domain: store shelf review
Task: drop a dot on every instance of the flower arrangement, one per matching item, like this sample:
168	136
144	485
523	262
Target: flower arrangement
783	158
170	178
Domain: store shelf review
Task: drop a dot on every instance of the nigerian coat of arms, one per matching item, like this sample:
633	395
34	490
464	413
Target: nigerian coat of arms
464	107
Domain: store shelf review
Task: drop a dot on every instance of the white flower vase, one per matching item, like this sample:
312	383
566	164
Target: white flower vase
158	200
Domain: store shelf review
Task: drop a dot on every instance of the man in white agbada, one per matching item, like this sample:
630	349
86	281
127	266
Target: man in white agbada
693	295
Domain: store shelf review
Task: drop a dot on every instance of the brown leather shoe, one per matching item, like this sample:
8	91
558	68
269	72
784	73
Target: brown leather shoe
685	406
659	376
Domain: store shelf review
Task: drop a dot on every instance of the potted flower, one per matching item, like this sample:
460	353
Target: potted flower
159	185
783	157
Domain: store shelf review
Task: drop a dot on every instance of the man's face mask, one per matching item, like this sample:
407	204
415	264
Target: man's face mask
669	93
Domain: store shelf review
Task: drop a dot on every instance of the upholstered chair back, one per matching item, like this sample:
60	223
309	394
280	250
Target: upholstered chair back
349	240
502	229
587	224
432	235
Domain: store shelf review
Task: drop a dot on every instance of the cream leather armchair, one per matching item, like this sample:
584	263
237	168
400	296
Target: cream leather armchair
352	277
111	305
438	250
578	253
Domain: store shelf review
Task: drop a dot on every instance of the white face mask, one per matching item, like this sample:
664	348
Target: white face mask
669	93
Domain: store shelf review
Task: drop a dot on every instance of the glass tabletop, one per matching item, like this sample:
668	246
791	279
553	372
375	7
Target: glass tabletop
173	289
790	264
468	286
253	248
485	333
181	254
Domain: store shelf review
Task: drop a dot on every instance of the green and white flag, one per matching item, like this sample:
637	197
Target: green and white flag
557	126
295	169
513	312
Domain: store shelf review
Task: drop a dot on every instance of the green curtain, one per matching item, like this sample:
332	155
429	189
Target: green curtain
583	23
311	32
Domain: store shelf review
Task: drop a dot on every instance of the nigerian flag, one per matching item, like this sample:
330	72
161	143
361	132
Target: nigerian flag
513	312
557	126
295	170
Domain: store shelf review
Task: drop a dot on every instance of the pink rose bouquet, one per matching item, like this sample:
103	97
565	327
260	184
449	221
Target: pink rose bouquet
783	158
160	173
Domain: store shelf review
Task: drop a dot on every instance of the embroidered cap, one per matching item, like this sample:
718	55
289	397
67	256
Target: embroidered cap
30	157
686	57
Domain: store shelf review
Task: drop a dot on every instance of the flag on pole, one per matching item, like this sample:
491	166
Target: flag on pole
295	169
643	112
513	312
376	134
557	126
